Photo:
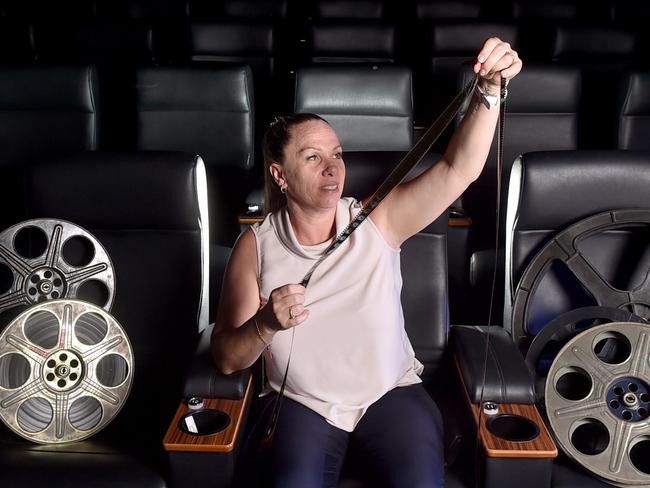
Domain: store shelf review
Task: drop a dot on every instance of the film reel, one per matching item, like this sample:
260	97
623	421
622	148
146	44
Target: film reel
563	248
66	369
598	401
46	259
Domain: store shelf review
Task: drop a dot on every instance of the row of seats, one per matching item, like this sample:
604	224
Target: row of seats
616	10
210	110
433	50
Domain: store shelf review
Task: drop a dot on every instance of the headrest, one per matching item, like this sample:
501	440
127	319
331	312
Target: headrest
370	107
465	38
561	187
49	88
139	190
231	37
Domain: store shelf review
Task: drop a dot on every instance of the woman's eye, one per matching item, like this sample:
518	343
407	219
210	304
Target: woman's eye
338	155
312	157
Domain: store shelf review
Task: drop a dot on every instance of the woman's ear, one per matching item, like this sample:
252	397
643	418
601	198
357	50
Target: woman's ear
277	172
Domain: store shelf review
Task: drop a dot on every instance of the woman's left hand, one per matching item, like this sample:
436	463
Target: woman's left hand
496	60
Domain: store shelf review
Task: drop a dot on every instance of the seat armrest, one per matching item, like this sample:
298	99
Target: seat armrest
507	379
203	379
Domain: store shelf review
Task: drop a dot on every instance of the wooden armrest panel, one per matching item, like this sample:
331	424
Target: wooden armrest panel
223	441
541	446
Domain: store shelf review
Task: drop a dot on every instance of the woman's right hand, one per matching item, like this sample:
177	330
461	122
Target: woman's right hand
285	308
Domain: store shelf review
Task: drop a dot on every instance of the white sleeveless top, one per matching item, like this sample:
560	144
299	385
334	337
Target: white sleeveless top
353	347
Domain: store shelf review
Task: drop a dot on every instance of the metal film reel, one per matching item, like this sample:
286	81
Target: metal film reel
66	369
46	259
598	401
563	248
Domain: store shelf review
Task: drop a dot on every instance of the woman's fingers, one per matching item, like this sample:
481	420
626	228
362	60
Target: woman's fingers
495	57
287	305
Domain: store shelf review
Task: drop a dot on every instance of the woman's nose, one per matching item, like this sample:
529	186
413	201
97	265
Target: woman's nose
332	167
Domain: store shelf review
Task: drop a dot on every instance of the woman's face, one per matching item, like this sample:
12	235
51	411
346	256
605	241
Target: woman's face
313	169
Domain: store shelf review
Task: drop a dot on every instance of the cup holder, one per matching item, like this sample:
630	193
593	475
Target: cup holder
204	422
514	428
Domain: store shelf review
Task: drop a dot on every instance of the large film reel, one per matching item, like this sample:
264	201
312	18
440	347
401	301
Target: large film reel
46	259
598	401
66	369
563	248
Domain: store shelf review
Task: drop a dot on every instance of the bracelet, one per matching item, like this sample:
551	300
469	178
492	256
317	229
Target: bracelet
259	333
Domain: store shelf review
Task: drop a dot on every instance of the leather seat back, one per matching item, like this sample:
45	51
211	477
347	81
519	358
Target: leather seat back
207	110
634	111
371	108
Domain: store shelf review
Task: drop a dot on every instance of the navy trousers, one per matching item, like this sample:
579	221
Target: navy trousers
397	443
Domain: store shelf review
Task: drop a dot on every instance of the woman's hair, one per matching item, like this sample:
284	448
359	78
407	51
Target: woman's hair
274	142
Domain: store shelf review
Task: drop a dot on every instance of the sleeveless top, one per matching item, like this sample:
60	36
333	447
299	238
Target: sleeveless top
353	347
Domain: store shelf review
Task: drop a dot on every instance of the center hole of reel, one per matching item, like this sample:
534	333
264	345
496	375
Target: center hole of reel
628	399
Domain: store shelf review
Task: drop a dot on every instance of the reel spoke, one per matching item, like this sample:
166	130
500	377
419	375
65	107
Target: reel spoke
639	363
13	299
30	350
100	392
619	445
27	391
61	407
65	330
604	293
101	349
582	410
592	364
54	247
21	266
85	273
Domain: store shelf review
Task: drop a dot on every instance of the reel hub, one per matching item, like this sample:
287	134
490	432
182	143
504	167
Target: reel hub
45	284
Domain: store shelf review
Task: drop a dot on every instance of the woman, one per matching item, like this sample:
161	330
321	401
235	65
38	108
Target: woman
349	321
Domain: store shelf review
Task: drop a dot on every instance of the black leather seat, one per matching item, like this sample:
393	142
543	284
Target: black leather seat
550	191
16	41
208	110
448	9
115	47
353	41
548	10
230	9
45	111
148	211
602	54
634	111
350	9
352	99
244	41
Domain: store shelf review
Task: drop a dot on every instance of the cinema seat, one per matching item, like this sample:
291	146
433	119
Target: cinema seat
44	111
208	110
149	210
548	192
